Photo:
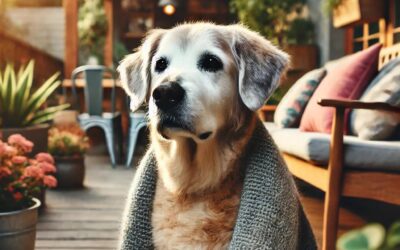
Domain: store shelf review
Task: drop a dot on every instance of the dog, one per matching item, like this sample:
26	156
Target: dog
202	83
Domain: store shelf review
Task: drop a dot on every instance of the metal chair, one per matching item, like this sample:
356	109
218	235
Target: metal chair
110	122
137	121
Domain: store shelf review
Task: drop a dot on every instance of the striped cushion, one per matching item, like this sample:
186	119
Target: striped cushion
292	105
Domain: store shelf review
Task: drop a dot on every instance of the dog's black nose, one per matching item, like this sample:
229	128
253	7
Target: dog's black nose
169	95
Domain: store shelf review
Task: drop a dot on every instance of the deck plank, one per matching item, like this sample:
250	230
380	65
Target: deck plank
87	218
90	218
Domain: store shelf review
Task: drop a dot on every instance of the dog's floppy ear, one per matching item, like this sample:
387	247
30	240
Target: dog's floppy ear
260	66
135	69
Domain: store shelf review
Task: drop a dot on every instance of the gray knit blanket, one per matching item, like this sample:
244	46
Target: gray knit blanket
270	214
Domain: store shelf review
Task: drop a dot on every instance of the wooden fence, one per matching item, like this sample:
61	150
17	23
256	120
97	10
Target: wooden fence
17	52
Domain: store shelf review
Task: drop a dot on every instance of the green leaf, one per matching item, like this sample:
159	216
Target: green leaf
8	88
23	88
353	240
41	95
46	114
393	238
369	237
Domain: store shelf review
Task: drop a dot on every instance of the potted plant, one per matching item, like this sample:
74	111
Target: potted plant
372	236
349	12
68	144
286	24
21	180
23	111
92	30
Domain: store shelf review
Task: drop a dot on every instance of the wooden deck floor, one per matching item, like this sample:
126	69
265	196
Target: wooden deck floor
90	218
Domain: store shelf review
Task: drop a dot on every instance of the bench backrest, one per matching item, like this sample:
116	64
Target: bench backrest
388	54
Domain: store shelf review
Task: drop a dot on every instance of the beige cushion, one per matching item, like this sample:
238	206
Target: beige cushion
359	153
378	125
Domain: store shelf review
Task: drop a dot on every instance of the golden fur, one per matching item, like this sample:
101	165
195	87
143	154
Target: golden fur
200	179
198	193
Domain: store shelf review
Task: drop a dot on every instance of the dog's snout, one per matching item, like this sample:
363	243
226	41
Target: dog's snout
169	95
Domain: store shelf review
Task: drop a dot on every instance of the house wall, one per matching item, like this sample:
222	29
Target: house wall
330	41
41	27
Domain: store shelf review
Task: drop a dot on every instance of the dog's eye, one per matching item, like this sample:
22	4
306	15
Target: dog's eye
161	64
210	63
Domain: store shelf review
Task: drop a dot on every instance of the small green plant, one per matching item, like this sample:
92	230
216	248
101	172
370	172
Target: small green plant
19	107
92	29
268	17
67	141
372	236
301	31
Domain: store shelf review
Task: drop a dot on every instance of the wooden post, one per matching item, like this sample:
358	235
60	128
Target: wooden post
71	36
332	196
108	47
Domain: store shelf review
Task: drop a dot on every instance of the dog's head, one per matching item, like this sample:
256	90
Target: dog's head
199	77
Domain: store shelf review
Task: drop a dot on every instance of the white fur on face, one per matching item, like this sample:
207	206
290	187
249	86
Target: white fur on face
209	95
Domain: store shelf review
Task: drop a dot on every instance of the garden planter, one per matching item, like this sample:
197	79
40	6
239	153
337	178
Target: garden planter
303	56
70	172
37	134
18	228
42	198
350	12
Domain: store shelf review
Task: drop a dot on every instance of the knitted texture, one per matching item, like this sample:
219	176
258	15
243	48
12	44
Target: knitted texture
270	214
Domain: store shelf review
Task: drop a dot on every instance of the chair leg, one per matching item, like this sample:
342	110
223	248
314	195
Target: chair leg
120	139
133	135
333	192
331	219
110	145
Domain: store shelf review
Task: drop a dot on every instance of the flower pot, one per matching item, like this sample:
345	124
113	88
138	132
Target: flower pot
42	198
18	228
70	172
350	12
37	134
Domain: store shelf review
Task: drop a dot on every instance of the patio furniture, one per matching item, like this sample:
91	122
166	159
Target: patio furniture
343	165
110	122
137	121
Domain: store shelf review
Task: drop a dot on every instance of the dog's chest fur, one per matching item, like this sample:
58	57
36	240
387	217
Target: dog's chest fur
203	221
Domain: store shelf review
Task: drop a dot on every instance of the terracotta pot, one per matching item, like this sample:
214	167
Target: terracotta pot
350	12
37	134
18	228
70	172
303	56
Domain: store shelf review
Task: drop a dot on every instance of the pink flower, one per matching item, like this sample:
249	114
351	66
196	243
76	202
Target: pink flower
10	151
19	159
20	142
45	157
17	196
50	181
2	147
47	167
33	171
4	172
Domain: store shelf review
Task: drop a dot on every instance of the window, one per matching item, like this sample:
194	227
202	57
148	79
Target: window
386	30
366	35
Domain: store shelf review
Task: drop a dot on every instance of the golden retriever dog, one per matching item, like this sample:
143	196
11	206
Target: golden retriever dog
202	83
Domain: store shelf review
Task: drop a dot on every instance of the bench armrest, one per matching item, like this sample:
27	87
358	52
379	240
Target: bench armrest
358	105
336	156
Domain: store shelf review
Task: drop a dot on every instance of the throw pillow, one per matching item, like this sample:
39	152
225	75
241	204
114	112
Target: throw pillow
375	124
346	80
291	107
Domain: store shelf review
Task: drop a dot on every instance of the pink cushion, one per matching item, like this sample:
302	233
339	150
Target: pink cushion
346	80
